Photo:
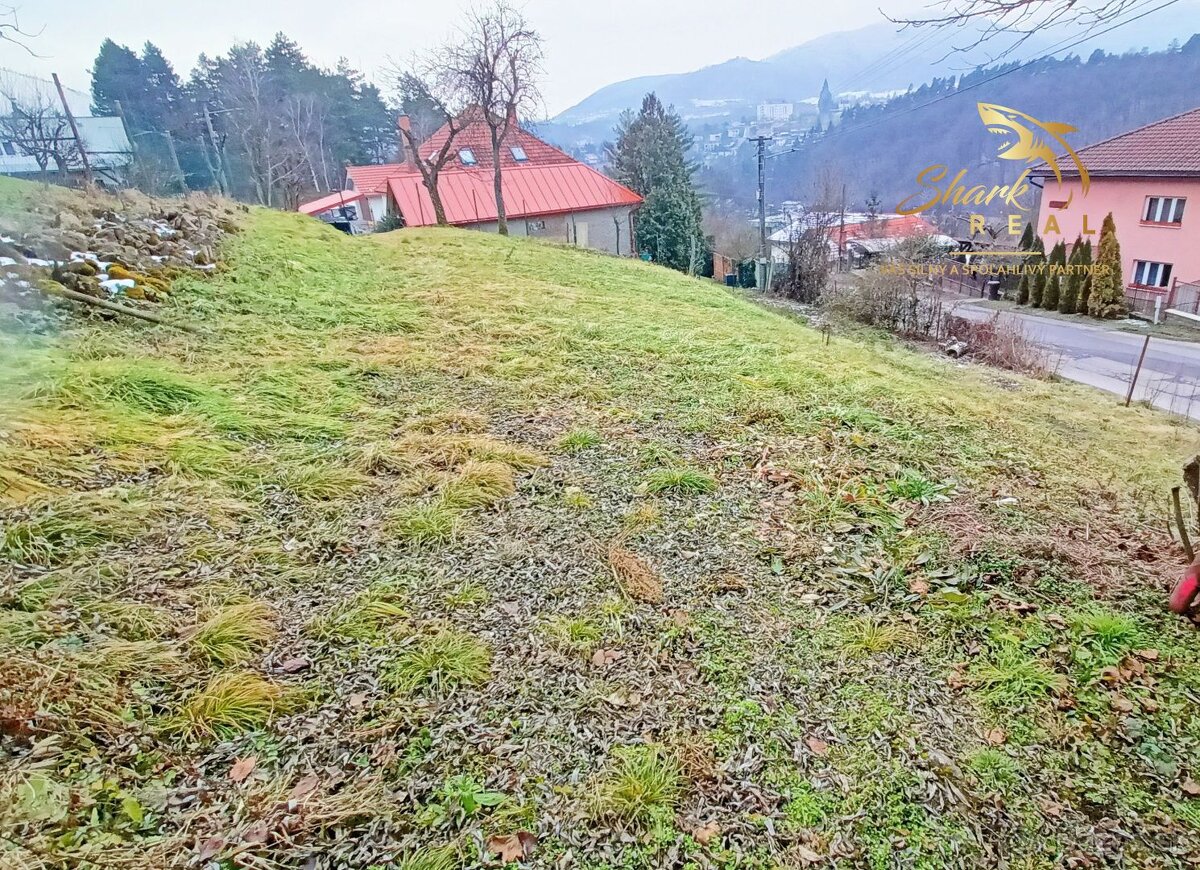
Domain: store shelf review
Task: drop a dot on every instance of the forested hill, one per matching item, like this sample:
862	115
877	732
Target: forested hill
878	150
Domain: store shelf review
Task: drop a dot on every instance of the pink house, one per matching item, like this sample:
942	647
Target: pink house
1149	178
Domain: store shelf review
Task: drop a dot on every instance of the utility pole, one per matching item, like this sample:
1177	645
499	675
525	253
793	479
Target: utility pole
760	273
87	167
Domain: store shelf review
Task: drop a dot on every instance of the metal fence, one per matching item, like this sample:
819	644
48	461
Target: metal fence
1184	297
1147	303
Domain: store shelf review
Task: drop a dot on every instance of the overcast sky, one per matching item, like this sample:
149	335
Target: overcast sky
588	44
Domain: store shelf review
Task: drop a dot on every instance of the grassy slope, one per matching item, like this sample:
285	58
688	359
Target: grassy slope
401	460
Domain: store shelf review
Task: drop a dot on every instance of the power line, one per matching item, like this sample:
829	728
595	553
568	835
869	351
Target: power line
1048	52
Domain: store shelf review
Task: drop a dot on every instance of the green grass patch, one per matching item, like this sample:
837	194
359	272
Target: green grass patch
442	661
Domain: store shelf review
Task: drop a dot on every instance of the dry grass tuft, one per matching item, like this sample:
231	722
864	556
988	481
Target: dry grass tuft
479	484
233	633
444	660
642	783
231	703
635	577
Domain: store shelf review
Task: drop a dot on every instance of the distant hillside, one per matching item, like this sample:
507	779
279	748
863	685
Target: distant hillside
878	150
878	57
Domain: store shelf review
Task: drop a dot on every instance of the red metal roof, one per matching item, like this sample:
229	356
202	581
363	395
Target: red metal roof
331	200
478	137
891	227
373	177
529	191
1167	147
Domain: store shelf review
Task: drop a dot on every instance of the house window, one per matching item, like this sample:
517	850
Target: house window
1164	209
535	226
519	154
1148	274
467	156
10	149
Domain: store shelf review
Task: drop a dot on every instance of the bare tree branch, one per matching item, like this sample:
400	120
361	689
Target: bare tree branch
986	20
495	63
11	30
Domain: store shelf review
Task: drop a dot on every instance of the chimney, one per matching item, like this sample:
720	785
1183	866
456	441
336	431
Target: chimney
404	124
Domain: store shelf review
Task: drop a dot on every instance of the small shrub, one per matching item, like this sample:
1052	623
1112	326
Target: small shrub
430	859
642	783
682	480
231	703
441	661
231	634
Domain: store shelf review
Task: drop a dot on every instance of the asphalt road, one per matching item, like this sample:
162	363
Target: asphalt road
1104	358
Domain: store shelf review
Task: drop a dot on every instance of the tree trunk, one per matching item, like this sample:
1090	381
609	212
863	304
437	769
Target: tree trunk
501	217
435	197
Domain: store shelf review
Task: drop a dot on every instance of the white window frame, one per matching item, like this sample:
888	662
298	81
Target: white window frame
1148	273
516	150
467	156
1164	209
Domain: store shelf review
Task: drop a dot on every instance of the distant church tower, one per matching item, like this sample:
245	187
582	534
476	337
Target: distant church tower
825	106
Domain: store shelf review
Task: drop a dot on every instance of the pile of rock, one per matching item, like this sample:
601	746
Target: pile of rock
117	249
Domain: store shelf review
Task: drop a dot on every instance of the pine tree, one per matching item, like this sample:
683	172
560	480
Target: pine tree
1037	283
1107	299
1068	302
1023	288
1055	263
1085	285
650	158
1026	242
118	77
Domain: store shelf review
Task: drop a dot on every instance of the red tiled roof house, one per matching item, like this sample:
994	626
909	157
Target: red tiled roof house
1149	178
547	193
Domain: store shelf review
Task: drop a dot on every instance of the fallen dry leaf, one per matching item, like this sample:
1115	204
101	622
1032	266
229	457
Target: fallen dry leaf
995	736
817	745
304	787
211	847
257	834
1190	787
807	855
1123	704
680	618
1149	655
356	700
295	666
706	834
918	587
622	698
512	847
602	658
242	768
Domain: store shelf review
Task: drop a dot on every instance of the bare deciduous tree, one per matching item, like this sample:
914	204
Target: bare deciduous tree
495	63
38	130
427	112
986	19
809	264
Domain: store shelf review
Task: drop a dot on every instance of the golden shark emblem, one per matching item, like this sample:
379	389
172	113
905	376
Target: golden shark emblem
1028	139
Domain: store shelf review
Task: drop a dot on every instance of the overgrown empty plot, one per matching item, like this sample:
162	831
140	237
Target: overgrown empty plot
433	549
